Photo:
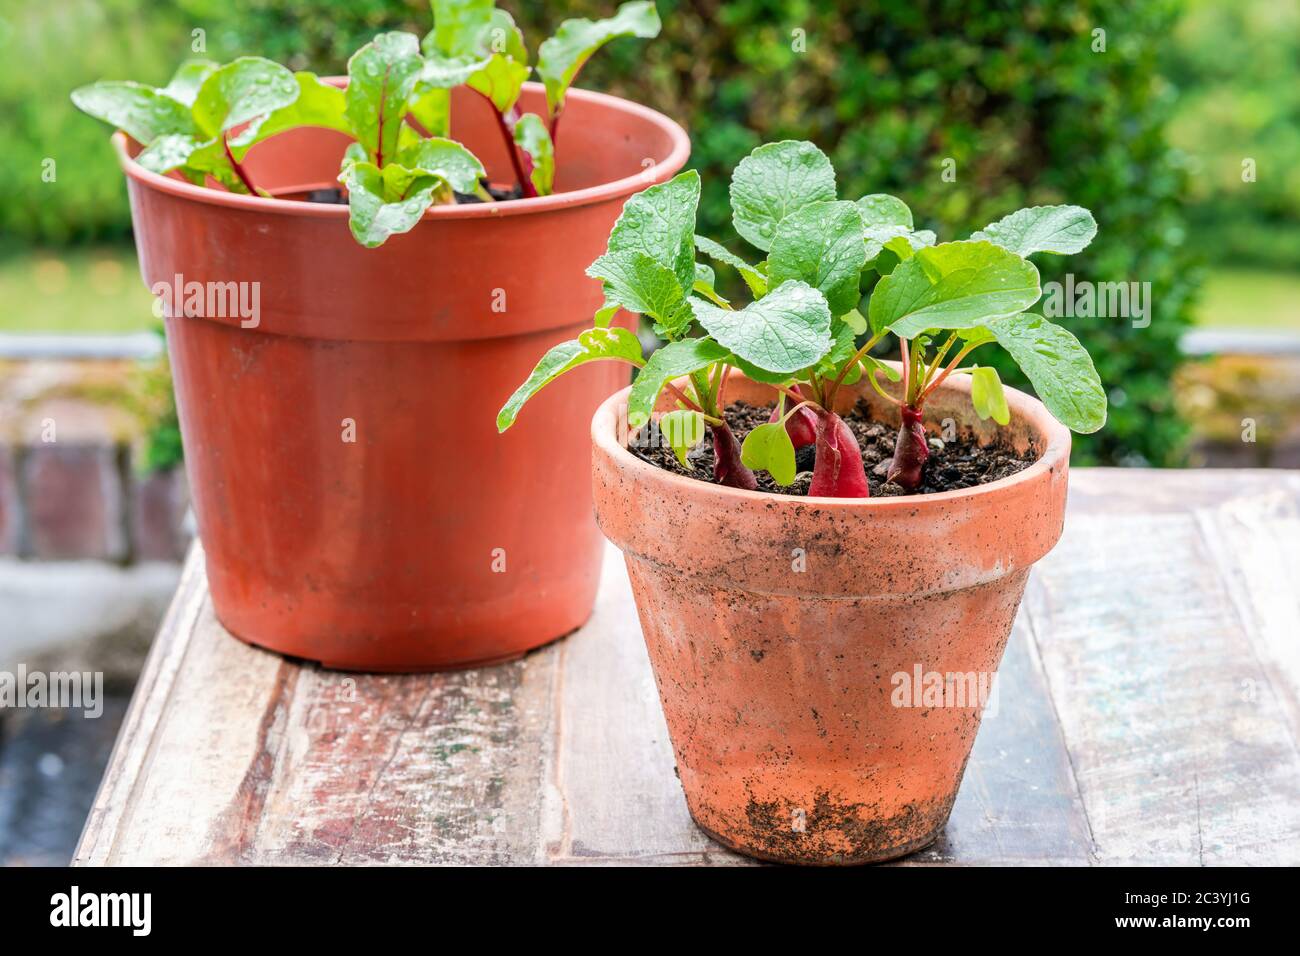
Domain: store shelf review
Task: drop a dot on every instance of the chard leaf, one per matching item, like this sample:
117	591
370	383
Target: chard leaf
318	104
533	138
167	152
385	202
140	111
458	26
673	360
500	81
1059	368
822	244
430	106
561	57
594	345
768	447
245	90
660	222
773	181
502	77
209	159
756	281
381	78
1059	229
188	79
987	396
445	72
882	209
683	429
446	159
640	284
785	331
953	285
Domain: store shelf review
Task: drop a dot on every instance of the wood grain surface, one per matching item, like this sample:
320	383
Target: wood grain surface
1147	712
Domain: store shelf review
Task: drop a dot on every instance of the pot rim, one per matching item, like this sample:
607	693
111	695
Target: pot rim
604	436
660	171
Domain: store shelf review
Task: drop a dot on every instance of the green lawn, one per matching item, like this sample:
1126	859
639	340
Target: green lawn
90	291
1237	298
99	290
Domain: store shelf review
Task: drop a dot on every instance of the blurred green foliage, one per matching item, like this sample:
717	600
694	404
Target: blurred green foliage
1237	66
1014	94
47	49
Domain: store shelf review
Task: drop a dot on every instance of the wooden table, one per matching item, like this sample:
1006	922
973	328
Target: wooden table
1148	713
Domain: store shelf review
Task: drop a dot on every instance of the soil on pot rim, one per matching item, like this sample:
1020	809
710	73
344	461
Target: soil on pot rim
962	463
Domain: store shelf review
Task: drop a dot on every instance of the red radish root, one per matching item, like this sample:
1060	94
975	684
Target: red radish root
838	472
910	451
728	469
802	425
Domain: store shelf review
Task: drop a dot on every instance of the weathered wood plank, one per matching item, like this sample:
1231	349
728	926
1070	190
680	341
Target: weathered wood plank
1122	732
1151	669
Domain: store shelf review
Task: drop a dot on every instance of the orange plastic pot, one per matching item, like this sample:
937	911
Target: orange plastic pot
355	502
784	630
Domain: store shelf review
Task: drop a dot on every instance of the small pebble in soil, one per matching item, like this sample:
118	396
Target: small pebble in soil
961	463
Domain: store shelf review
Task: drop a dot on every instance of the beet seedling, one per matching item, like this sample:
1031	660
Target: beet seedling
396	109
801	332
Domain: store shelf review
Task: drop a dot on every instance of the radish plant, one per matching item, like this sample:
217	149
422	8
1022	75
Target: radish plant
396	109
806	332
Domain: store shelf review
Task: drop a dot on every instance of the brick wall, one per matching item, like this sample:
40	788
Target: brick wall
70	487
87	501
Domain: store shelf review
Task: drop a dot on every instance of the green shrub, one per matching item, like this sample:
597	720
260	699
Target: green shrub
47	49
1237	68
1013	93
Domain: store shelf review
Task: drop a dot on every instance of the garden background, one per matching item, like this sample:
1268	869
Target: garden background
1149	133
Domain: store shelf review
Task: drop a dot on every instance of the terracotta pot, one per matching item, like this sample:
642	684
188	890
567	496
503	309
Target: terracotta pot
428	541
776	626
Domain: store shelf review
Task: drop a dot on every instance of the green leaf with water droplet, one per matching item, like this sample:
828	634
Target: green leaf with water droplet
785	331
772	182
640	284
660	222
672	361
882	209
381	78
1058	229
953	285
593	345
446	159
140	111
386	202
822	244
245	90
561	57
1059	368
755	279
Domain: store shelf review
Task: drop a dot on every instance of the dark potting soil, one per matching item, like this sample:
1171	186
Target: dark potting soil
962	463
334	195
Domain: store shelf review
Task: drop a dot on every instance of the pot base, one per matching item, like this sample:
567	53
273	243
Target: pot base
414	667
884	856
